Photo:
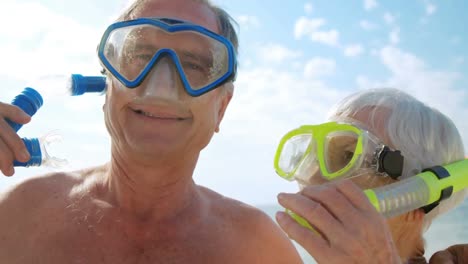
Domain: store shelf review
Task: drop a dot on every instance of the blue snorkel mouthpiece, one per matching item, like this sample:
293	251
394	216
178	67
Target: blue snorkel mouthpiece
87	84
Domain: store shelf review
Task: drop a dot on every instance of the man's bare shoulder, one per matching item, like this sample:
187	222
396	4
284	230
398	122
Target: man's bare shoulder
32	194
254	231
248	217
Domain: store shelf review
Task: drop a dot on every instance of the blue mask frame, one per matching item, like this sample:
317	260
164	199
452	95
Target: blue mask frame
170	25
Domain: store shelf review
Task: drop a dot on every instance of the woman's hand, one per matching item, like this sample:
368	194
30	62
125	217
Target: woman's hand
11	146
348	228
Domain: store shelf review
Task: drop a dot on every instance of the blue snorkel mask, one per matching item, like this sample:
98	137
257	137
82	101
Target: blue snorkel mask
198	58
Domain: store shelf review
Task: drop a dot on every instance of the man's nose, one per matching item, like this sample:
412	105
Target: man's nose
163	81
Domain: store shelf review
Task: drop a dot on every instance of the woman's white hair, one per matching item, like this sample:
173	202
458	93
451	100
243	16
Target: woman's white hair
425	136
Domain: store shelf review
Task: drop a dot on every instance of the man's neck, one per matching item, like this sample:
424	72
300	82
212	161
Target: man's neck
151	193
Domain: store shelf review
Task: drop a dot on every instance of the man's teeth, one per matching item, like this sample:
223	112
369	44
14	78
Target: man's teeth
144	113
151	115
147	114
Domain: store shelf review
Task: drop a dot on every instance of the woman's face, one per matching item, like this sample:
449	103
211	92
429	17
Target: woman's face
340	149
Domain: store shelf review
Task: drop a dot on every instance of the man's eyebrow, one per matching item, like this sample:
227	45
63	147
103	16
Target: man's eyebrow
148	47
205	59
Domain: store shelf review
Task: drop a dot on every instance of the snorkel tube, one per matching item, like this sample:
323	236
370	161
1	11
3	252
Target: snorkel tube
424	190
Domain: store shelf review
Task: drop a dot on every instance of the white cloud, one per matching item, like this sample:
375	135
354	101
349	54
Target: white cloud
127	3
434	87
319	67
55	44
92	129
329	37
367	25
363	82
248	22
389	18
353	50
308	8
311	28
305	26
394	36
278	100
401	63
430	9
275	53
85	104
370	4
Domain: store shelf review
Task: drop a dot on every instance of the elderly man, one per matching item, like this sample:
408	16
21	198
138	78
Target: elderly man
170	66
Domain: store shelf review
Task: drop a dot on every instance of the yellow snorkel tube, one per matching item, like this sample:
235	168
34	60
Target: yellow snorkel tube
424	190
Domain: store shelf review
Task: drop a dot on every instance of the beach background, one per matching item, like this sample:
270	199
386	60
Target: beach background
294	67
296	60
447	230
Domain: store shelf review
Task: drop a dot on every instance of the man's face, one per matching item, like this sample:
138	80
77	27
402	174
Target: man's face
141	121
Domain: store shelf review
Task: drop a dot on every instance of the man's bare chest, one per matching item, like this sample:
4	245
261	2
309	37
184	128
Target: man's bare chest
107	242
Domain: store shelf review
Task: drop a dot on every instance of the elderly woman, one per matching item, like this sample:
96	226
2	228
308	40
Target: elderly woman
374	138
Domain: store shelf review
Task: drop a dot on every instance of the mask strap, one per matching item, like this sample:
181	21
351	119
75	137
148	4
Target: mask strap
390	162
441	173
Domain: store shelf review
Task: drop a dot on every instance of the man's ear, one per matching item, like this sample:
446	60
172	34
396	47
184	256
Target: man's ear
226	95
108	88
105	102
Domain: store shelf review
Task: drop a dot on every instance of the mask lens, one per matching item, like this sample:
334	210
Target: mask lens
204	60
294	150
339	150
127	51
201	59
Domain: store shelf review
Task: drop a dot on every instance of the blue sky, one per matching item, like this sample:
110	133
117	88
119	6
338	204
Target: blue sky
297	59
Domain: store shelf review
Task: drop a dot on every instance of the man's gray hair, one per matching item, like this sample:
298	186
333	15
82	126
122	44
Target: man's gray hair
225	22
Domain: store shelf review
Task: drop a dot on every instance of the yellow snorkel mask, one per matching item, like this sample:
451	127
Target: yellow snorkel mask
334	150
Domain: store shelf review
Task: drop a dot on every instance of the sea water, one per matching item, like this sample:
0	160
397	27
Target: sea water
446	230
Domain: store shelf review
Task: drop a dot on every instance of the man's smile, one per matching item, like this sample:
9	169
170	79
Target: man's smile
161	112
151	115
